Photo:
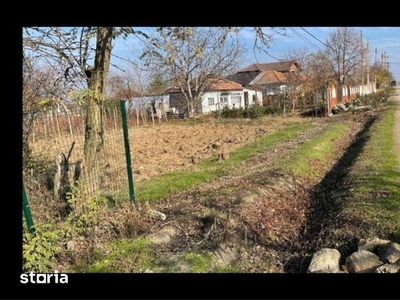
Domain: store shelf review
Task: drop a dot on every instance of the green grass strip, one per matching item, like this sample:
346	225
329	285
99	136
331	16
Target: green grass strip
316	151
376	176
173	182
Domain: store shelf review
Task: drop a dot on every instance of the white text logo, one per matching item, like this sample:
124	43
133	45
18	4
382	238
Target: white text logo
44	278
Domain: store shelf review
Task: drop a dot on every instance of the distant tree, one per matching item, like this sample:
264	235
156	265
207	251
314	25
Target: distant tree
300	55
382	75
157	84
192	55
122	86
296	81
345	53
318	77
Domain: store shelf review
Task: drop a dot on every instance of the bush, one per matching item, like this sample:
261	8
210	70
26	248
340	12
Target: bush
253	112
40	250
232	112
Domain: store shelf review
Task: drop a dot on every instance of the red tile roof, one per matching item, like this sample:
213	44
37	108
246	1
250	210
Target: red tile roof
283	66
214	84
222	84
270	77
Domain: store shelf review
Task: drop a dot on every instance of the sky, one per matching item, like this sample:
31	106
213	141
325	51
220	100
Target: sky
383	42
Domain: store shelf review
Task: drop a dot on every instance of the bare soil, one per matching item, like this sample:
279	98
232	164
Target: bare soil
176	146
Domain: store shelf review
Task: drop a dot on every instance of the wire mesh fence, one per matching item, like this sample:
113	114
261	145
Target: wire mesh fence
56	162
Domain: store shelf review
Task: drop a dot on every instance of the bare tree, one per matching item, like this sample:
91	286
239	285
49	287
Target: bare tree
40	91
345	52
296	81
122	85
97	81
318	75
70	51
192	55
263	36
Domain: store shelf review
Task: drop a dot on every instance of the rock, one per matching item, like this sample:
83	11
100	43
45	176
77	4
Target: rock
373	256
362	261
389	253
325	260
387	268
157	215
371	244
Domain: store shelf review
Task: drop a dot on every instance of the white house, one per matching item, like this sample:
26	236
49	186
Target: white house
220	92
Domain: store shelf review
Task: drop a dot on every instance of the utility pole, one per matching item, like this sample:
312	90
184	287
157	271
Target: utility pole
368	63
384	65
362	63
387	63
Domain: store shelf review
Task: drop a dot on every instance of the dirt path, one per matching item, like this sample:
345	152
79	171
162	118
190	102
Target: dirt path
396	129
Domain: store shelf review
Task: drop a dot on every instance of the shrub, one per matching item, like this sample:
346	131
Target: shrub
40	250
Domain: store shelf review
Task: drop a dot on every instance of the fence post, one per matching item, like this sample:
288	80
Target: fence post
27	212
127	151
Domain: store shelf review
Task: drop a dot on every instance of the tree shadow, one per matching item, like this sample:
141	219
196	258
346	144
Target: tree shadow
326	202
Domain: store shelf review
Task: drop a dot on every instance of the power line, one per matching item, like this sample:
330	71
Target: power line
304	39
314	37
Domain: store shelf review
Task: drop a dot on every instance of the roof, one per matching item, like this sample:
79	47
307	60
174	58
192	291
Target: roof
222	84
270	77
282	66
215	84
244	78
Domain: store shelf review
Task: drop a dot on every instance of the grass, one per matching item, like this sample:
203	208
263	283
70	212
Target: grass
198	263
266	143
376	177
123	255
172	182
318	150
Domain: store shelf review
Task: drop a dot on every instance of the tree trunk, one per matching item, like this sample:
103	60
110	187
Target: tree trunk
94	131
339	93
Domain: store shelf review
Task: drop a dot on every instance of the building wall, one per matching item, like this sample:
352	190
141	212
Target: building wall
346	96
178	104
216	100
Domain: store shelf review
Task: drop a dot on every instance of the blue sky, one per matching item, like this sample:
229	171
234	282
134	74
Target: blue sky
382	41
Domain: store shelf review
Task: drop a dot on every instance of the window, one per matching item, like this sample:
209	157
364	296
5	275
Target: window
236	98
211	101
223	99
